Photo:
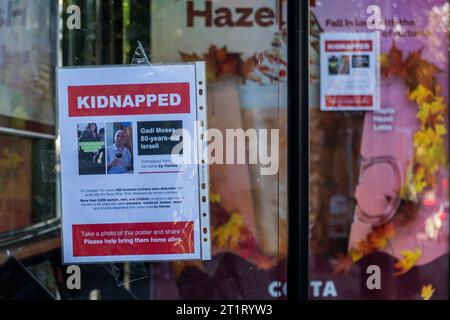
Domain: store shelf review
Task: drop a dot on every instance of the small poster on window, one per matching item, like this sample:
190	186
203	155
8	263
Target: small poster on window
133	178
349	71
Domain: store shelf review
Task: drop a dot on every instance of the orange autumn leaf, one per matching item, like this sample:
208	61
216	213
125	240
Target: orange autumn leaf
427	292
414	69
230	65
381	235
221	54
396	60
187	57
362	249
219	62
342	264
392	63
408	261
365	247
420	71
376	240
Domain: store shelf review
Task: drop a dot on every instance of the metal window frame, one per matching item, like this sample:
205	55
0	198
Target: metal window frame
298	150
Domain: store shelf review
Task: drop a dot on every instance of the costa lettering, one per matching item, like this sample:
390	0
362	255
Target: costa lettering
104	100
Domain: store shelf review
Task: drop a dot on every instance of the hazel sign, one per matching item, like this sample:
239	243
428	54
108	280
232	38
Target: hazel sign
125	194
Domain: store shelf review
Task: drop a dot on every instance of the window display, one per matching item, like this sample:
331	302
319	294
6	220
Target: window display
378	149
379	178
244	44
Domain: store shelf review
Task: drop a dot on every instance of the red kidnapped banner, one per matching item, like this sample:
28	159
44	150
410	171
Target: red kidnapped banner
128	99
133	238
348	45
349	101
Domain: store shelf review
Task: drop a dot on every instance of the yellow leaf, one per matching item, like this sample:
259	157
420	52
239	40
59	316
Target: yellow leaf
437	106
214	197
381	235
227	234
384	61
427	292
408	261
420	94
419	180
424	112
440	130
355	255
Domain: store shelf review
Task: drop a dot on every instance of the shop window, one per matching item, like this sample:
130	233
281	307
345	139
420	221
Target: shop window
379	149
244	45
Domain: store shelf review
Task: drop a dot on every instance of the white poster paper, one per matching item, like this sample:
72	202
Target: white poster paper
126	194
349	71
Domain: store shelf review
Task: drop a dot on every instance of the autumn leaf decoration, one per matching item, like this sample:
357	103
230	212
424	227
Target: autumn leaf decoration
376	240
428	142
408	261
414	70
220	62
230	233
261	68
342	264
427	292
227	234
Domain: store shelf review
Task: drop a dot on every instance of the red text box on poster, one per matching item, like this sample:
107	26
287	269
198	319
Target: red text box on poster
133	238
349	101
128	99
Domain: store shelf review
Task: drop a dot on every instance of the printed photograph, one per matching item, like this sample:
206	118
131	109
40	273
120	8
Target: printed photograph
339	65
360	61
91	148
119	147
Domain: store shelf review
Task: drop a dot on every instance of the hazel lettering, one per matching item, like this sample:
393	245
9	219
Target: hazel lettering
244	17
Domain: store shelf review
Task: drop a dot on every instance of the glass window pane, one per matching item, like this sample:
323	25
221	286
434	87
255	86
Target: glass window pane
244	44
379	149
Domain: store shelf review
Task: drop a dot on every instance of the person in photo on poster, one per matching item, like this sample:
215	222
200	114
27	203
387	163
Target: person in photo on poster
99	156
90	143
90	133
119	157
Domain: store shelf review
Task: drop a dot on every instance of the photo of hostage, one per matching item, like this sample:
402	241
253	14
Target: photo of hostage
90	133
119	159
339	65
91	142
